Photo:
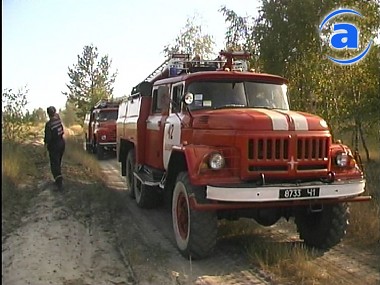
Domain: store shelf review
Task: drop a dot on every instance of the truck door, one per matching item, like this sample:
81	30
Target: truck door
92	126
122	113
120	121
155	126
172	130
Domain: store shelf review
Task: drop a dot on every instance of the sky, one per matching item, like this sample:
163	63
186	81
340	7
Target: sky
41	39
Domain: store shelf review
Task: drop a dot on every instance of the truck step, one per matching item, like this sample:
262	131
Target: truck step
146	179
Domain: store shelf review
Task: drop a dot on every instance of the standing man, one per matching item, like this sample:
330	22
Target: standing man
55	144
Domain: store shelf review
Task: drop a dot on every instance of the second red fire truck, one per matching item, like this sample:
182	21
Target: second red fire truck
100	128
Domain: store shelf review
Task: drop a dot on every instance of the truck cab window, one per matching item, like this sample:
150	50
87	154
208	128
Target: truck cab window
155	107
161	99
237	94
176	98
107	116
217	94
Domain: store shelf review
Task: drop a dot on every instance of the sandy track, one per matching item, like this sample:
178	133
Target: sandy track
52	247
154	230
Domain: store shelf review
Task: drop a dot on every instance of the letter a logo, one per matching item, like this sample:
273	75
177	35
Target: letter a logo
345	36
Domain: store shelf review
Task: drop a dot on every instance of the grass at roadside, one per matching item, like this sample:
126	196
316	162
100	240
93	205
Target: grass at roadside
364	229
75	154
286	259
77	130
21	171
288	262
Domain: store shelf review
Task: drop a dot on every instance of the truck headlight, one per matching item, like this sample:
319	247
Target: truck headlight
103	137
342	159
216	161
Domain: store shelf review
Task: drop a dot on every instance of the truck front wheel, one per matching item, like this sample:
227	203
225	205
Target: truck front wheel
323	229
100	152
147	197
87	144
129	172
195	231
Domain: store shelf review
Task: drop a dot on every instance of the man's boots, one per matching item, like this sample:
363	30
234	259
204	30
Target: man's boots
59	182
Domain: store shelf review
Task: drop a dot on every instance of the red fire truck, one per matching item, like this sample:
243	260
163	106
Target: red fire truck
220	142
100	128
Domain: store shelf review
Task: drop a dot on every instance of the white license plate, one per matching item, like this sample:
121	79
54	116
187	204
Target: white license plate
295	193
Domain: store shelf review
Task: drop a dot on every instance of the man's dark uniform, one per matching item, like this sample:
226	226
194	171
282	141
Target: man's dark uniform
55	144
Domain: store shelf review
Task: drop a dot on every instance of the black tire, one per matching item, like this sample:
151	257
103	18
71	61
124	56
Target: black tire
87	144
94	147
88	147
100	152
195	231
325	229
131	160
147	197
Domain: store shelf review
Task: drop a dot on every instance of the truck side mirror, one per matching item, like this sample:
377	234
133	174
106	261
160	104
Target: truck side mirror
188	98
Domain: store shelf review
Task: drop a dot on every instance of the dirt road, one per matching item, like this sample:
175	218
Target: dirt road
157	254
230	264
53	246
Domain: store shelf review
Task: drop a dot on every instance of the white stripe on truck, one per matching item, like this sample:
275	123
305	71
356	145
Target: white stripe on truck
300	121
279	121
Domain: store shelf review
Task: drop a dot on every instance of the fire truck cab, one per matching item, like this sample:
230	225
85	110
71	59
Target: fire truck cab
220	142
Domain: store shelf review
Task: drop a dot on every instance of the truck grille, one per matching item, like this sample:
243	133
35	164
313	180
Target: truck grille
112	136
268	149
312	148
309	153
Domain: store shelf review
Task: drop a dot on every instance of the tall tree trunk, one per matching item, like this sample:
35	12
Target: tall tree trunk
359	125
355	138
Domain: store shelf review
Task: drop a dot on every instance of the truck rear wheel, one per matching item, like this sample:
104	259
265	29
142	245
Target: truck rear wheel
131	160
195	231
323	229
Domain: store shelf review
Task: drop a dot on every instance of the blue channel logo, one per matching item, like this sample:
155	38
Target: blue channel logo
345	36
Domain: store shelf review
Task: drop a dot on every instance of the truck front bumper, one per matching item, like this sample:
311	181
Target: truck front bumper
272	193
108	145
113	144
223	198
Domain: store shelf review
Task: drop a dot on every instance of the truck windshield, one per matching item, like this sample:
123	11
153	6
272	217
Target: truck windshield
237	94
107	115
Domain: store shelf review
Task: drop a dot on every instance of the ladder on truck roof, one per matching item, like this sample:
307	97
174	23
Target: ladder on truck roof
176	59
180	63
103	103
